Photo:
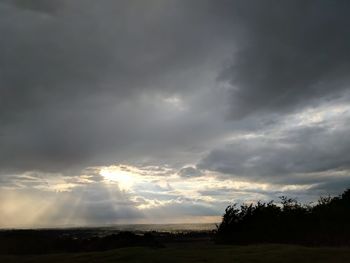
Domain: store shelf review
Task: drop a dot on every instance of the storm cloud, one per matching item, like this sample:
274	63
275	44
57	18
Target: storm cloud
72	82
190	92
277	156
289	55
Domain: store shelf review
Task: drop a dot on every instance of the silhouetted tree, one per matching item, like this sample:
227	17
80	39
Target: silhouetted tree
327	222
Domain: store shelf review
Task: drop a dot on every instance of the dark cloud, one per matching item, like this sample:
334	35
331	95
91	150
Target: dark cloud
288	55
71	83
50	7
86	83
334	186
299	155
189	172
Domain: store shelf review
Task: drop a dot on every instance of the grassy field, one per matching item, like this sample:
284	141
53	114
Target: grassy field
212	253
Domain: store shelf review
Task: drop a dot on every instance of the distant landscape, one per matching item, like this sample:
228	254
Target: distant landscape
323	224
174	131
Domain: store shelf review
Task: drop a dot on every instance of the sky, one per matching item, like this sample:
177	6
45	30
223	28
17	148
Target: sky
167	111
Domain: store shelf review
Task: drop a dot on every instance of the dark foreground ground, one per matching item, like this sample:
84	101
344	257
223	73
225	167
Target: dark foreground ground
189	253
94	245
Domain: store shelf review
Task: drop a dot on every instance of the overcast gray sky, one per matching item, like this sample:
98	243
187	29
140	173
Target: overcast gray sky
168	111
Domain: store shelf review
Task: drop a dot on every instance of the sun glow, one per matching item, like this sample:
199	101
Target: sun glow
120	175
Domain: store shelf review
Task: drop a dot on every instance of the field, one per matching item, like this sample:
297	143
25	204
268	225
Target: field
209	253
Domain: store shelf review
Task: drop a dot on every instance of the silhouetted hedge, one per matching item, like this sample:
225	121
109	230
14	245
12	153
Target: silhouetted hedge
326	223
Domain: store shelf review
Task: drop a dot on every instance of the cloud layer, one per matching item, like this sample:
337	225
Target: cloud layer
216	94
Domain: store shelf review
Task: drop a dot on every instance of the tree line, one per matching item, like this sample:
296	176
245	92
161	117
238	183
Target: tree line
325	223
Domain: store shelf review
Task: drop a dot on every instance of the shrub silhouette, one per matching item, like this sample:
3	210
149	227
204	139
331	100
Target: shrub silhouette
326	223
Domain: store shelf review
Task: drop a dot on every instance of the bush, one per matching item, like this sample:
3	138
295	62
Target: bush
326	223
